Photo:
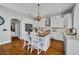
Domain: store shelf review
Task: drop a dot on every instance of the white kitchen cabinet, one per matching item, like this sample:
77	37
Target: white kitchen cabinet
68	20
76	16
72	46
57	36
57	21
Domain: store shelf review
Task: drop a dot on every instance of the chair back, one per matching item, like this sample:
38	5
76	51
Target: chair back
34	36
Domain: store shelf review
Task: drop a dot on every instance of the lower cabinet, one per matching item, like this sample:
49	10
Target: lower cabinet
72	46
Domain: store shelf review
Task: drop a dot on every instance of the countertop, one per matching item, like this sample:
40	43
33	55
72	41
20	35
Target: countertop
72	37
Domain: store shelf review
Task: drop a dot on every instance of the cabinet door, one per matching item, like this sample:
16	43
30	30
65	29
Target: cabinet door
68	20
72	46
57	21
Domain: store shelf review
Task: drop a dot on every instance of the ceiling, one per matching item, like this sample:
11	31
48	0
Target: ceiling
45	8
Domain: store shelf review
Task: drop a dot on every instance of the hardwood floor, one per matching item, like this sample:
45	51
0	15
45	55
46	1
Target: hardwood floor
16	48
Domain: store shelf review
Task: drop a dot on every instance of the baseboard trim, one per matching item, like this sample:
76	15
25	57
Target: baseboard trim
5	42
19	37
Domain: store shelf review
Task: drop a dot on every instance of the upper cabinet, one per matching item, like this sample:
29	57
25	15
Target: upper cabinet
76	16
68	20
57	21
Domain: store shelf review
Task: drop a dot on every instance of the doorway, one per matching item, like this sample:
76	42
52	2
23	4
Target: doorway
15	28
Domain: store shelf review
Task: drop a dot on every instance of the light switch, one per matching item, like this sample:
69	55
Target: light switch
4	29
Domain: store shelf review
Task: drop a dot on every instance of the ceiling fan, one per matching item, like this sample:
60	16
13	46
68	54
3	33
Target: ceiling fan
38	17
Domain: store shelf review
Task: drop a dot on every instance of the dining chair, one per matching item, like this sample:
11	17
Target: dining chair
36	43
27	41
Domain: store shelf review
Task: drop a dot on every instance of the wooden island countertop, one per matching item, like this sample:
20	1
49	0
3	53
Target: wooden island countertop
43	33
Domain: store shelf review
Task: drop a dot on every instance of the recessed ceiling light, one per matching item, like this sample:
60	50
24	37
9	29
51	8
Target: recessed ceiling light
44	19
59	9
28	12
45	13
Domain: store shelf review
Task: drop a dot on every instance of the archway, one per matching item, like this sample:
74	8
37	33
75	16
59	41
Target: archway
15	28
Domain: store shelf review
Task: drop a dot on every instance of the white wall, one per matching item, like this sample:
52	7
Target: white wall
22	27
8	14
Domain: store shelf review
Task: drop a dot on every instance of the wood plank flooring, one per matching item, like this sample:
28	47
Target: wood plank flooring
16	48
